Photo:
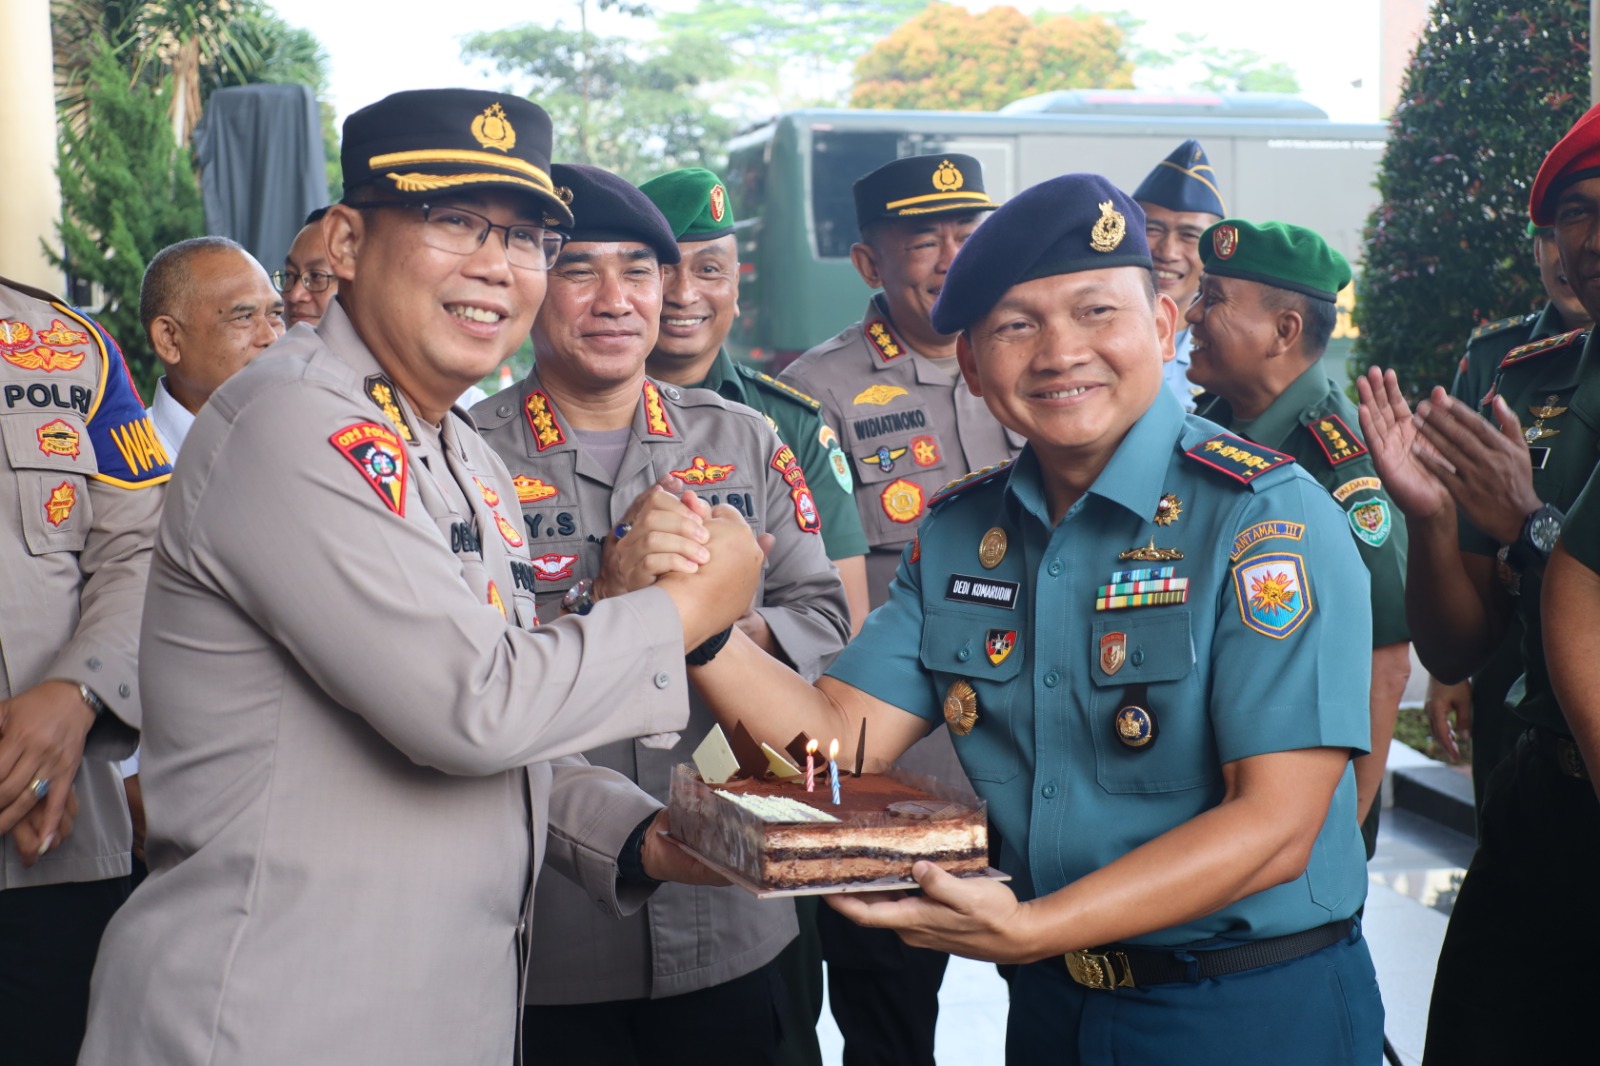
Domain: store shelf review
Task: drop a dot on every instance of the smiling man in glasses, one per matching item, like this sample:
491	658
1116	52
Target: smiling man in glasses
357	739
306	281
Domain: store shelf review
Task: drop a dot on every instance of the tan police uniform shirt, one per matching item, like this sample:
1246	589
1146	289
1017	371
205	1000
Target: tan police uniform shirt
688	937
908	429
351	759
81	495
907	426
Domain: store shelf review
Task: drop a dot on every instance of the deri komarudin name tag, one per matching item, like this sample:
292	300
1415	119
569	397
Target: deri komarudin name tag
983	590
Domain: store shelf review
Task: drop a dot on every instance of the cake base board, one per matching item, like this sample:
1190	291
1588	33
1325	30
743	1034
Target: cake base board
883	884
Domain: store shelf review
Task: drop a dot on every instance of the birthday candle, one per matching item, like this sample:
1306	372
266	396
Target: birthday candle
833	768
811	766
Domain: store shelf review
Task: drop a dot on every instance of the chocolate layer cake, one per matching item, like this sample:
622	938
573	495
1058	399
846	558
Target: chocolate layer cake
779	836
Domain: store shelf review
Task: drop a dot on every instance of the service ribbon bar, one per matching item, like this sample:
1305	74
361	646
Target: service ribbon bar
1144	573
1141	599
1165	584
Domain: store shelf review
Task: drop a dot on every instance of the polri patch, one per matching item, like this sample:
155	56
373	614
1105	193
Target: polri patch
1238	458
902	500
877	395
380	457
1337	440
806	515
700	472
1276	528
990	592
553	567
58	508
1272	593
495	601
1371	521
490	497
59	438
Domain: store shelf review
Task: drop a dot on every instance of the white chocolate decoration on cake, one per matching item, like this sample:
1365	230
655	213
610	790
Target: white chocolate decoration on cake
777	808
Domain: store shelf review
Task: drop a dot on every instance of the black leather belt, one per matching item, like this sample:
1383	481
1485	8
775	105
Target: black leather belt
1121	966
1562	751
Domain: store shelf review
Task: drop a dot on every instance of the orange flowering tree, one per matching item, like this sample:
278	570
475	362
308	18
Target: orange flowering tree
949	58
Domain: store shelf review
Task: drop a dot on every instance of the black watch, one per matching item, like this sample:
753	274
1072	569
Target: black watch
579	599
708	648
1540	531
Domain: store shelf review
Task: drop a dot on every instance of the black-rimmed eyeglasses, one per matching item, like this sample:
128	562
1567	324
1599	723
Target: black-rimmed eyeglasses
462	232
314	281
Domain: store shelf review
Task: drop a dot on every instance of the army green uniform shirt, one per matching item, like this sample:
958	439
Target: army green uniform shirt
798	421
1553	385
1315	422
1491	342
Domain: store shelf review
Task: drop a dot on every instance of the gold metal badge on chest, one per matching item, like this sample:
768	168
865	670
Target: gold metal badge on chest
992	548
961	707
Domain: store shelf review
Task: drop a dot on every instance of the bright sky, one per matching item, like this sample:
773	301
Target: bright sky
375	51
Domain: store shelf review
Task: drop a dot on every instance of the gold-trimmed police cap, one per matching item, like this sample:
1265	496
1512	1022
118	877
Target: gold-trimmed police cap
430	142
921	186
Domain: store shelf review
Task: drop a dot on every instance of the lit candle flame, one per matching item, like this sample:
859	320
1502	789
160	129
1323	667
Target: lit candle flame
833	749
811	746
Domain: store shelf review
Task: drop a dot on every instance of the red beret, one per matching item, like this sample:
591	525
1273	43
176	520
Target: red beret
1575	157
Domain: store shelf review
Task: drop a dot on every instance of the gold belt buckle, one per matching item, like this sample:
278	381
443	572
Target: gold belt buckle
1093	970
1570	759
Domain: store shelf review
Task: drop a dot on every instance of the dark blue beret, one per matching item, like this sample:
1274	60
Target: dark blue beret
1184	181
921	186
607	208
432	142
1061	226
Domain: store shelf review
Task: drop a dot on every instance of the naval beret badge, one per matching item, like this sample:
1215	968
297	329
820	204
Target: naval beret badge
961	707
1109	229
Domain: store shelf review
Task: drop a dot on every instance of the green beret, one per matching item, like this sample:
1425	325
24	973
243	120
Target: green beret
694	201
1274	253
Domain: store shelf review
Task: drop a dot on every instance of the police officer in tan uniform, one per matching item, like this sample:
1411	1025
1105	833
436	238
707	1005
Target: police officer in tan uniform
908	425
84	482
357	738
584	436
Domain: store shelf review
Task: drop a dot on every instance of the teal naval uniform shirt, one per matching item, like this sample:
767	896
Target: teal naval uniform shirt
798	421
1101	696
1313	421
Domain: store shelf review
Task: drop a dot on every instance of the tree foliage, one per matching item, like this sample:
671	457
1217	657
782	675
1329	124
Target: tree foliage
949	58
127	191
1492	86
792	51
1235	69
633	109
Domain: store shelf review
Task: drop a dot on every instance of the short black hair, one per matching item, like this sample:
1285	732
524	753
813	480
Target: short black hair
1318	317
168	277
315	216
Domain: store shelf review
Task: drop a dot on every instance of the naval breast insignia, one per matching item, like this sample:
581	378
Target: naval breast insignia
1109	229
960	707
1168	510
992	548
1150	554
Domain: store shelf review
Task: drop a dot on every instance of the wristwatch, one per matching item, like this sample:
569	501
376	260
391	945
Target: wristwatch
92	699
579	599
1540	530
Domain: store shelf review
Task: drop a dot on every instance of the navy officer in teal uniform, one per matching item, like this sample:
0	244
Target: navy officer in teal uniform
1151	640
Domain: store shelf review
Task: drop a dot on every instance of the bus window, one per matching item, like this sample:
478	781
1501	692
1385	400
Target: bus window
838	158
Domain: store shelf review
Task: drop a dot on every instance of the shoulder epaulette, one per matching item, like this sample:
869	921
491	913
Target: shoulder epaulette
1544	346
1337	440
971	481
1240	459
1489	329
772	384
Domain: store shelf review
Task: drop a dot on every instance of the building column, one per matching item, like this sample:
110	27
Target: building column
32	201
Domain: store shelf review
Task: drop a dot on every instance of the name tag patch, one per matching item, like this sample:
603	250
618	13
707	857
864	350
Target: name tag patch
967	589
